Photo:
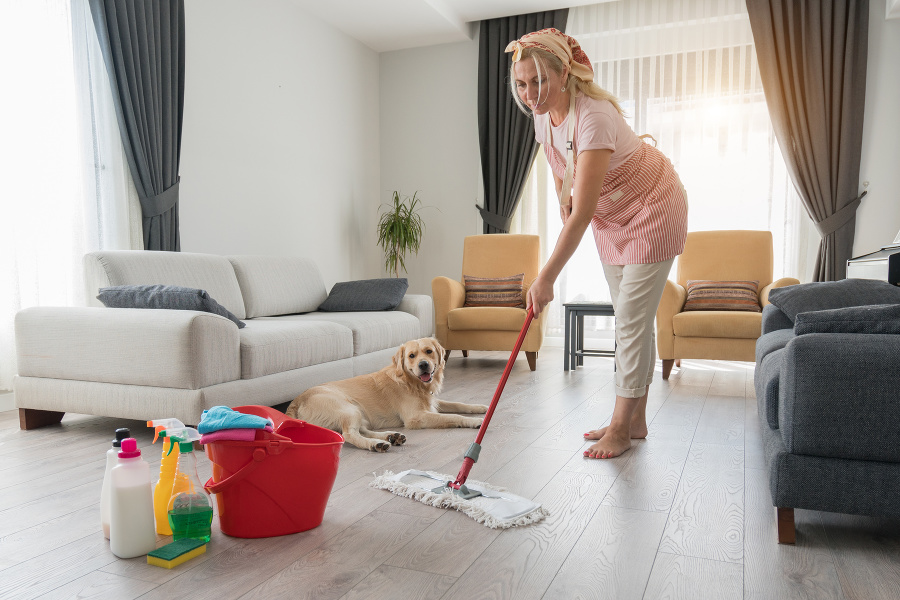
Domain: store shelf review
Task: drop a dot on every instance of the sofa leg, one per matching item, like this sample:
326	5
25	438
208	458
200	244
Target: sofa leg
465	353
446	355
787	533
678	362
531	357
667	366
32	418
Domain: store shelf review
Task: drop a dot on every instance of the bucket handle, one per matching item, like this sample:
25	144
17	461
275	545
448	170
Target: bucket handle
273	448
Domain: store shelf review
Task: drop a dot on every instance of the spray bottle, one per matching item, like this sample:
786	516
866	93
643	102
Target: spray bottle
112	458
167	483
189	510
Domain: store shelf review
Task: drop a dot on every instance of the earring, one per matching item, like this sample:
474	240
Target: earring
563	89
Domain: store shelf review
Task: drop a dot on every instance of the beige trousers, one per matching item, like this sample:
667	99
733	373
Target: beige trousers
636	291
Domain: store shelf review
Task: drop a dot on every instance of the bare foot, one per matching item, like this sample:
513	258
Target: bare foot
638	432
610	446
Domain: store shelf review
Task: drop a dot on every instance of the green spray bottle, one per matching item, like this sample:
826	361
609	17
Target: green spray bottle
189	510
166	484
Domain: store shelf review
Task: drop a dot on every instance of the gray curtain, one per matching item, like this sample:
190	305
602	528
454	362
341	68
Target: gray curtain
505	135
143	47
812	61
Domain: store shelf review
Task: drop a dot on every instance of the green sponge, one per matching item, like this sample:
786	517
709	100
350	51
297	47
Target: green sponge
175	553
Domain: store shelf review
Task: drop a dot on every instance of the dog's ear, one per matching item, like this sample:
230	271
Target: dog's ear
398	360
440	350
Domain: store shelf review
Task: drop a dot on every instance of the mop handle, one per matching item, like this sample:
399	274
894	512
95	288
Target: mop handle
467	461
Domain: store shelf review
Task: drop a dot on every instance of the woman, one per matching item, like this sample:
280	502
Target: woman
625	189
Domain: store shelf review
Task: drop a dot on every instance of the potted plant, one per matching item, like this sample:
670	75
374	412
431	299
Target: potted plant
400	231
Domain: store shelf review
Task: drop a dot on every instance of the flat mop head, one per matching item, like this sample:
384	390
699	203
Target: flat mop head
493	507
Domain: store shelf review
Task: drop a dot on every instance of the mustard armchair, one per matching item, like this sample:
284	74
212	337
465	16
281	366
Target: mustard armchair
489	327
737	255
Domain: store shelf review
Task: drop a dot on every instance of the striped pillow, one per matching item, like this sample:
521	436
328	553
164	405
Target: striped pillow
722	295
495	291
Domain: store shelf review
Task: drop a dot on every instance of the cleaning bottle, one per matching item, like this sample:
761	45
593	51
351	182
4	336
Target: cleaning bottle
166	484
131	531
190	510
112	457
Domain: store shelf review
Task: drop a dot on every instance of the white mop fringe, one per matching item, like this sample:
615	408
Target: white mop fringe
450	500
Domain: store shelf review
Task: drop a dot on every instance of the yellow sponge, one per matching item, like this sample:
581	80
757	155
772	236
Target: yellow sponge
179	551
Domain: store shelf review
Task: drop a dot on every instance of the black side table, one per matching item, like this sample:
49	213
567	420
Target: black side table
574	341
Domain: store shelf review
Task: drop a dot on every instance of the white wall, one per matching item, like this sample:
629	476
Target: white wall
280	151
429	144
878	217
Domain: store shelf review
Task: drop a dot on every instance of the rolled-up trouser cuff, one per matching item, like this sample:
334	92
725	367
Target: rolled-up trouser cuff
631	393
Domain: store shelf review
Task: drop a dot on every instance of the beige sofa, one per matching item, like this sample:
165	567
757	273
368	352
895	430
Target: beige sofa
147	364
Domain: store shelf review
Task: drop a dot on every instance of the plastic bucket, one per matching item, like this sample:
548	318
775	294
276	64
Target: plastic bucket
279	483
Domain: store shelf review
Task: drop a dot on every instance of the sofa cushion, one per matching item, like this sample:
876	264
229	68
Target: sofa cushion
365	295
170	297
722	295
276	344
140	267
826	295
766	380
486	318
774	340
773	318
371	331
856	319
718	324
278	285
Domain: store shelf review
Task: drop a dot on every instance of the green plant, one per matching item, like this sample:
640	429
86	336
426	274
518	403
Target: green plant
400	231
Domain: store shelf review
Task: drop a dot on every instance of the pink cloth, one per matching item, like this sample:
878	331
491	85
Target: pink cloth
239	435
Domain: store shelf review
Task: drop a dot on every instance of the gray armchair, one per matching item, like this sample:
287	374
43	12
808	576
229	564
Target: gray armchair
828	392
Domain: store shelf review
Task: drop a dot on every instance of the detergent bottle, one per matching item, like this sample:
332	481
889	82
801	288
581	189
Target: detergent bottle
131	504
189	510
112	457
167	483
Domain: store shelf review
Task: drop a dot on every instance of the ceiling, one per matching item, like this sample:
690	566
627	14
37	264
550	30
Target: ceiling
385	25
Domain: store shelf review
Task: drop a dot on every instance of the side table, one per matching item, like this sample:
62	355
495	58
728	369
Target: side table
574	352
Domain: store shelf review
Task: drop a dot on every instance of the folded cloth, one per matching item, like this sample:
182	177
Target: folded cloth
238	435
223	417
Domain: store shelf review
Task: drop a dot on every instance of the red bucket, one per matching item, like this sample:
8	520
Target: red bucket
277	484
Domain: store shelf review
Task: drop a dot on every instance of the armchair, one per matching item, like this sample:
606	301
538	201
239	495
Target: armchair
736	255
489	327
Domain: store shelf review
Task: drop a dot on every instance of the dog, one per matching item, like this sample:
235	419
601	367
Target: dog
402	394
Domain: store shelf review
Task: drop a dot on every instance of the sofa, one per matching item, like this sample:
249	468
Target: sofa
828	396
136	363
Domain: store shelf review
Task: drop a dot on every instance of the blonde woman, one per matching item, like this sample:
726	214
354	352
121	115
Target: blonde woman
629	193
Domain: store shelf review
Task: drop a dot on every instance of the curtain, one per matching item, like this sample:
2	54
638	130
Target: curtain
812	56
143	48
67	189
685	71
505	134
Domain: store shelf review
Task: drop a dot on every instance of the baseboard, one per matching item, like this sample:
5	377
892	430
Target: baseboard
7	401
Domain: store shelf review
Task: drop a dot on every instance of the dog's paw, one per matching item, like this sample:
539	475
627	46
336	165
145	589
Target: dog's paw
380	447
473	423
479	408
397	439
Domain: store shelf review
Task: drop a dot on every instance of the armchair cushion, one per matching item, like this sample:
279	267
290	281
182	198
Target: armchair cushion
365	295
855	319
495	291
171	297
486	318
826	295
704	294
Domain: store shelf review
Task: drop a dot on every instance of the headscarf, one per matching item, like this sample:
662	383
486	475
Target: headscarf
554	41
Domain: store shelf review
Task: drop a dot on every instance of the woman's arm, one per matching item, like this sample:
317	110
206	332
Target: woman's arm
592	167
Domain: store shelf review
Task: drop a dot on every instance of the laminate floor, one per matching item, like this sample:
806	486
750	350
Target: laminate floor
685	513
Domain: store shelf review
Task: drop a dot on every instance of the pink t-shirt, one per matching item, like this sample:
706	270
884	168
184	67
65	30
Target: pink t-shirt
598	126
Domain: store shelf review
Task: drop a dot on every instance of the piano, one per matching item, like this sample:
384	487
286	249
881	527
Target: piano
883	264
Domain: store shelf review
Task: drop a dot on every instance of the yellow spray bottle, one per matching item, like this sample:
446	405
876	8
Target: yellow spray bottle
167	483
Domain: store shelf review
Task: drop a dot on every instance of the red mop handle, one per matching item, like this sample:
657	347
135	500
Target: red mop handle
467	461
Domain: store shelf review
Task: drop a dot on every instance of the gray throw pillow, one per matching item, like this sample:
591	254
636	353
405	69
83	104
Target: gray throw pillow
164	296
365	295
826	295
883	318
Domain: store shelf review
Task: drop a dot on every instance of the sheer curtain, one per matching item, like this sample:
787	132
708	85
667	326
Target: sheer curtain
685	71
66	187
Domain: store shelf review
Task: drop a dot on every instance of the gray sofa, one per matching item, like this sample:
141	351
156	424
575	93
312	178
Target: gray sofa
828	392
148	363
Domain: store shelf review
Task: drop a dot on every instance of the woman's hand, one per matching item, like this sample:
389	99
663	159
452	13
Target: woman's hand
540	294
564	212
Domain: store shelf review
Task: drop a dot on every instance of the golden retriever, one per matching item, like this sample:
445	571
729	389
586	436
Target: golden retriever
403	394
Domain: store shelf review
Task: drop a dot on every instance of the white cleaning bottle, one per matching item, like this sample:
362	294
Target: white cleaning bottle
131	530
112	457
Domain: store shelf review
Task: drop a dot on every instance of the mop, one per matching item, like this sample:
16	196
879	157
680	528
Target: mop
492	506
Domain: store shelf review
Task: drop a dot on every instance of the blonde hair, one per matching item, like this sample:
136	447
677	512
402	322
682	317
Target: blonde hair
547	61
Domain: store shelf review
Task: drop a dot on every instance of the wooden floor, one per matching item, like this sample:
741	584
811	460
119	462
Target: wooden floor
685	514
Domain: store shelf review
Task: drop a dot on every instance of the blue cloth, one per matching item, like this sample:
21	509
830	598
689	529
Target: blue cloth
222	417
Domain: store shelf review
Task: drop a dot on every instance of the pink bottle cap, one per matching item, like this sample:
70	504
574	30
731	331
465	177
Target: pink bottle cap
129	448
